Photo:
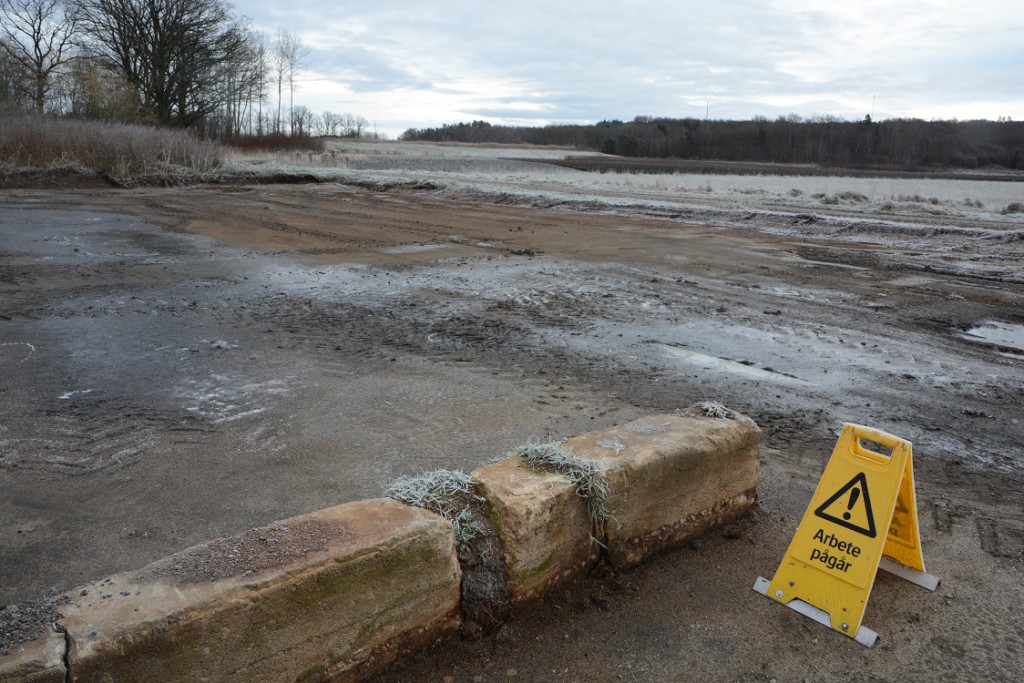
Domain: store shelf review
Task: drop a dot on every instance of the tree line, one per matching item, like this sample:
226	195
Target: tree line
186	63
829	141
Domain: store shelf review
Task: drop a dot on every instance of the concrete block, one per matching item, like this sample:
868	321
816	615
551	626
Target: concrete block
672	478
332	595
339	593
38	661
542	525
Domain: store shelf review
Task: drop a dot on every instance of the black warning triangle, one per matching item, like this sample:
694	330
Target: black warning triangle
857	489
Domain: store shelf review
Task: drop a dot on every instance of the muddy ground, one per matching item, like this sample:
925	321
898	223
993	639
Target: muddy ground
187	363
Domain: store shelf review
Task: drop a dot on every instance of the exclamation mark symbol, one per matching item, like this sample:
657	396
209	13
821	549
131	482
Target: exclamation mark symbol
854	495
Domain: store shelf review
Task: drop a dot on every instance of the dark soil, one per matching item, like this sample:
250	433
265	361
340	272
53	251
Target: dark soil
485	588
181	364
53	178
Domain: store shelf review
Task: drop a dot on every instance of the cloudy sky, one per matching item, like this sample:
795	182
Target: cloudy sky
420	63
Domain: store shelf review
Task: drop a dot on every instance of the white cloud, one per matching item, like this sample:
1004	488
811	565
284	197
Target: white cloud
430	62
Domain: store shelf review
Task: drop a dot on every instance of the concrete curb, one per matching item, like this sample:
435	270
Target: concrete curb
671	478
542	524
339	593
332	595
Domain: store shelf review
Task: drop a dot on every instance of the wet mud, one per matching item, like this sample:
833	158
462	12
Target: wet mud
182	364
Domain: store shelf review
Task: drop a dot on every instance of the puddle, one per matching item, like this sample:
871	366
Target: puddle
912	281
67	395
411	248
998	333
729	366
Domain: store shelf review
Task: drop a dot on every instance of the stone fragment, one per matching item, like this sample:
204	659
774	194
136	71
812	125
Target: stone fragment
671	478
38	661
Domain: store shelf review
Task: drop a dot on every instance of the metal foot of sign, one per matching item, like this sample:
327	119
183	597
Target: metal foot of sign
865	636
927	581
830	566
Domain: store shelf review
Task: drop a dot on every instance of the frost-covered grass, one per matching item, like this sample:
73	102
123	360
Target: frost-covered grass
122	151
346	153
454	149
285	164
506	170
714	409
993	194
587	476
445	492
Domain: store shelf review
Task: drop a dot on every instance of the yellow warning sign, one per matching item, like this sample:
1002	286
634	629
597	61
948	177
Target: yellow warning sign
903	544
829	569
850	507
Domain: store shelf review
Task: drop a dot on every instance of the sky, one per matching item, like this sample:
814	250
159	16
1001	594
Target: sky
423	63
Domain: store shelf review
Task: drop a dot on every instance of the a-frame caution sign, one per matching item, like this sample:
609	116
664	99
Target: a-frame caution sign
857	500
830	567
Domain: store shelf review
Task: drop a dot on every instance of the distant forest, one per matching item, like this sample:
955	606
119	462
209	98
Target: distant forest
905	144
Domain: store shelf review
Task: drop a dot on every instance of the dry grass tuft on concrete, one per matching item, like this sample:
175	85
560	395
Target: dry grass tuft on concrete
445	492
713	409
587	476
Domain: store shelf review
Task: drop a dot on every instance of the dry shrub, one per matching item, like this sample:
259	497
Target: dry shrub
122	151
1014	207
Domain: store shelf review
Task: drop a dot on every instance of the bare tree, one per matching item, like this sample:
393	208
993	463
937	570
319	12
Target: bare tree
302	120
329	122
177	53
261	73
289	55
242	85
37	35
353	126
13	79
279	64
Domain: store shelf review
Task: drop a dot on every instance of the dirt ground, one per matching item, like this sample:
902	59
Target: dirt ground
187	363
